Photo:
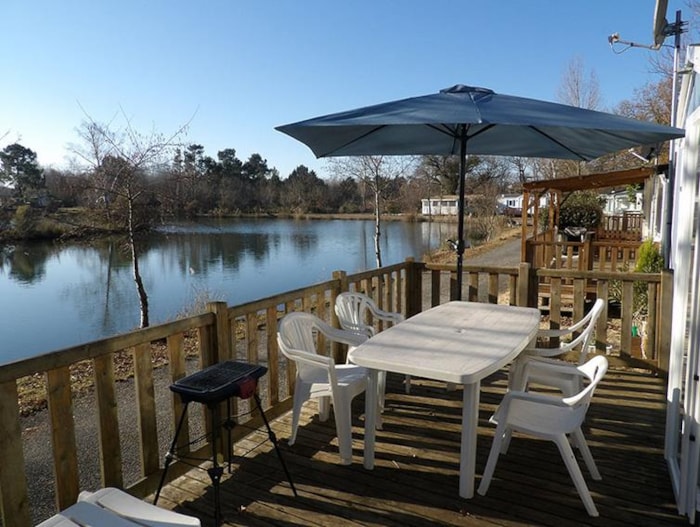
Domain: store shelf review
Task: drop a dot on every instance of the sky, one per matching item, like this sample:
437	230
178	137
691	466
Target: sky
232	70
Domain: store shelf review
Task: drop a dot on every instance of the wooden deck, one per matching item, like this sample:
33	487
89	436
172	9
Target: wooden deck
416	474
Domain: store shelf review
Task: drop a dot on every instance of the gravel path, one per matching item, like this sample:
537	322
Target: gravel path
503	253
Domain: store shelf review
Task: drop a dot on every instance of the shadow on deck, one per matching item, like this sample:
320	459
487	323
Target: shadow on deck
415	479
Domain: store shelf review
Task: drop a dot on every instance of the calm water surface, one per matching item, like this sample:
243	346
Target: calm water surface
56	296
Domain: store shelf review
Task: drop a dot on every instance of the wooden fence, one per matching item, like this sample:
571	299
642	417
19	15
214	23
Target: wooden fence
248	332
627	226
600	255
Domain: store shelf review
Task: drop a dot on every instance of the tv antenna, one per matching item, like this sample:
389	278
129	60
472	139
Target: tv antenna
661	29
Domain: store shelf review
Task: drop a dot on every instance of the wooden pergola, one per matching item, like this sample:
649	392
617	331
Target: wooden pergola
559	188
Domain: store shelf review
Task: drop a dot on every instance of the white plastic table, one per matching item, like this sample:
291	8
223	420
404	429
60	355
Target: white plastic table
456	342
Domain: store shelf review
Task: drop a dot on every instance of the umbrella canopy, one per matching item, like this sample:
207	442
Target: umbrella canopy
466	120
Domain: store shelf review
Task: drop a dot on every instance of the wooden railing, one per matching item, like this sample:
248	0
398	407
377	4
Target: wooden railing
248	332
627	226
584	256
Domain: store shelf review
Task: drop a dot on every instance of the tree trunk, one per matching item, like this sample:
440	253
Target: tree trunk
377	226
141	290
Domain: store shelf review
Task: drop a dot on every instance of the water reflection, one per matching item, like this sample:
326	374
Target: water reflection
62	295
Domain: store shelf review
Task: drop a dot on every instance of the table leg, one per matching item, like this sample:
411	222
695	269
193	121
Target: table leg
371	418
470	425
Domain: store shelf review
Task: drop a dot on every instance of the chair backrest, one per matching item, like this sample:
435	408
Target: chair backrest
593	370
585	328
297	339
353	310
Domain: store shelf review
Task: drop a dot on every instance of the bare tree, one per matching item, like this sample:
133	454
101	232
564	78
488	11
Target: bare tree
578	87
523	168
120	161
377	173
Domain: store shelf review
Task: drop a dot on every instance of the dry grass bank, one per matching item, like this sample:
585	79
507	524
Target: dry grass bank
445	255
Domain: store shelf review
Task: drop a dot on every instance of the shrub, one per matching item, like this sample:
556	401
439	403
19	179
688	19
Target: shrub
25	221
581	209
649	260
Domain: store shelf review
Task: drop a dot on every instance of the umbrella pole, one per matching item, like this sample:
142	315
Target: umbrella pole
460	206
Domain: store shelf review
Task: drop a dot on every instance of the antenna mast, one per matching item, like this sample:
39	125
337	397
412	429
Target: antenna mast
661	30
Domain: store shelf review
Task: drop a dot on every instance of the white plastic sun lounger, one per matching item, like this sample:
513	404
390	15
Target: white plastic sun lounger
111	507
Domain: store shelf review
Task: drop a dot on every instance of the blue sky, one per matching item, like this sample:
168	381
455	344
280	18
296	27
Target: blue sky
238	68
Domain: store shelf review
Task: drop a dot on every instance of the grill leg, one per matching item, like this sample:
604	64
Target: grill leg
215	472
273	439
229	425
170	454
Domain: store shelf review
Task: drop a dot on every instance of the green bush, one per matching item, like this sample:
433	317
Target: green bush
581	209
649	260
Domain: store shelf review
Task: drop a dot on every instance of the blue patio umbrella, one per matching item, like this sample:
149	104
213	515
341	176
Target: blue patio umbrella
467	120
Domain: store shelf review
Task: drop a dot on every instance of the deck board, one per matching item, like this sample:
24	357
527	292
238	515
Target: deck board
416	473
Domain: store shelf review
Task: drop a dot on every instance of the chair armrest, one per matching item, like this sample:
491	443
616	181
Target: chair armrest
549	333
343	335
534	397
552	366
545	352
389	316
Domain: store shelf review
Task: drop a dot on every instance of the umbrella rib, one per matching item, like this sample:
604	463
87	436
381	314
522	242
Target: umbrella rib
582	158
455	133
354	140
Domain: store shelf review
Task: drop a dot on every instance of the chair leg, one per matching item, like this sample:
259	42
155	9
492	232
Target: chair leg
324	408
407	384
515	375
505	444
492	460
381	390
567	455
580	442
300	396
343	427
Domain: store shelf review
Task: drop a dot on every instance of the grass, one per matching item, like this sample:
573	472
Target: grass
445	255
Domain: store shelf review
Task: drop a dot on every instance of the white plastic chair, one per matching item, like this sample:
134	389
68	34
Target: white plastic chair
552	418
110	507
319	376
356	312
577	336
127	506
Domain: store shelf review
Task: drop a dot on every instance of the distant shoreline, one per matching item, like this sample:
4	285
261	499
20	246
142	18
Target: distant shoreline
414	217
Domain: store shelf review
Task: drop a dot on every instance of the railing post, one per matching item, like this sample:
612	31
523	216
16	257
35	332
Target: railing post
65	457
413	288
108	421
664	323
222	345
587	253
14	507
343	286
523	290
417	288
454	291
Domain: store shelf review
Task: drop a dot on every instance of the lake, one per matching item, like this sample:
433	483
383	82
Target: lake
59	295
